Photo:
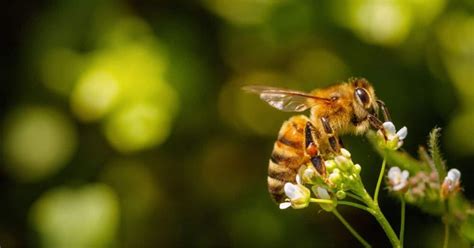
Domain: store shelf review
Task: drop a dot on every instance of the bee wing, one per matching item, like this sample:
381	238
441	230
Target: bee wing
284	99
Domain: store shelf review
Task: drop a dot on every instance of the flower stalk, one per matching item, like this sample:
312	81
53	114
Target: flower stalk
351	229
402	221
379	181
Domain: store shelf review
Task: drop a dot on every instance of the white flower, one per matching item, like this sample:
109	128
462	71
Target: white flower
394	138
451	182
397	179
298	195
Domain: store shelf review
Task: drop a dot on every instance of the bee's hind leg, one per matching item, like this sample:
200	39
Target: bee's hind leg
312	149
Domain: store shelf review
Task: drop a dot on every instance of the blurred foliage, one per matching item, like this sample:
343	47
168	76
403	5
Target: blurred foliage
124	123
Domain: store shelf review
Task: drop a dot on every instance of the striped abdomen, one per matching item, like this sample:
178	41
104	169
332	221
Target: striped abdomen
287	157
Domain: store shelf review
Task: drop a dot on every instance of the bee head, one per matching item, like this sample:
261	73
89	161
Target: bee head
365	101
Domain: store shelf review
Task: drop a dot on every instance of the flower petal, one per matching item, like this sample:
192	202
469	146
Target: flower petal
454	174
402	133
389	127
285	205
291	191
323	193
393	173
405	174
298	179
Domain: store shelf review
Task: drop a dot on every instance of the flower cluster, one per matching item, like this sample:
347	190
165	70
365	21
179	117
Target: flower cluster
423	186
341	175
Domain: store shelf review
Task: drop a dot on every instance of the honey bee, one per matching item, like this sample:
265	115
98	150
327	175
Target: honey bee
346	108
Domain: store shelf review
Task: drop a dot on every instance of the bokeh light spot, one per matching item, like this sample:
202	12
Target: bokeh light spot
95	95
82	217
138	126
377	21
38	141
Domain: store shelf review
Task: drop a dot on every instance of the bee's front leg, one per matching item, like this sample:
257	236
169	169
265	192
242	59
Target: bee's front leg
312	149
377	124
332	138
386	114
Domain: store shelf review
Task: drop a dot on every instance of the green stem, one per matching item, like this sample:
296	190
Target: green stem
379	182
402	222
446	235
377	213
354	196
352	230
316	200
356	205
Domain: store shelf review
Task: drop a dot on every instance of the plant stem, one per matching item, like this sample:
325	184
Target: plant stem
352	230
402	222
379	182
377	213
446	235
356	205
354	196
316	200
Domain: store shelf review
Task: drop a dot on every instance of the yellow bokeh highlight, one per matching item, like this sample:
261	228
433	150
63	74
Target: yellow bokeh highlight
124	87
95	95
381	22
38	141
77	217
138	126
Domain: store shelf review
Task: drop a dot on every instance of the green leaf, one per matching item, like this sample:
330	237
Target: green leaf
433	143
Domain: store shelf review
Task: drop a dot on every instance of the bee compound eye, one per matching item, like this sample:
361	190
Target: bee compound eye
362	96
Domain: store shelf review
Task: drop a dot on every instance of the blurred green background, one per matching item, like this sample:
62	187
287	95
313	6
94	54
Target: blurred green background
123	123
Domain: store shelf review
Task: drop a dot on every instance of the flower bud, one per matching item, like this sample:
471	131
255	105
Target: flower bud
345	153
451	182
330	165
343	163
309	174
357	169
340	194
335	177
